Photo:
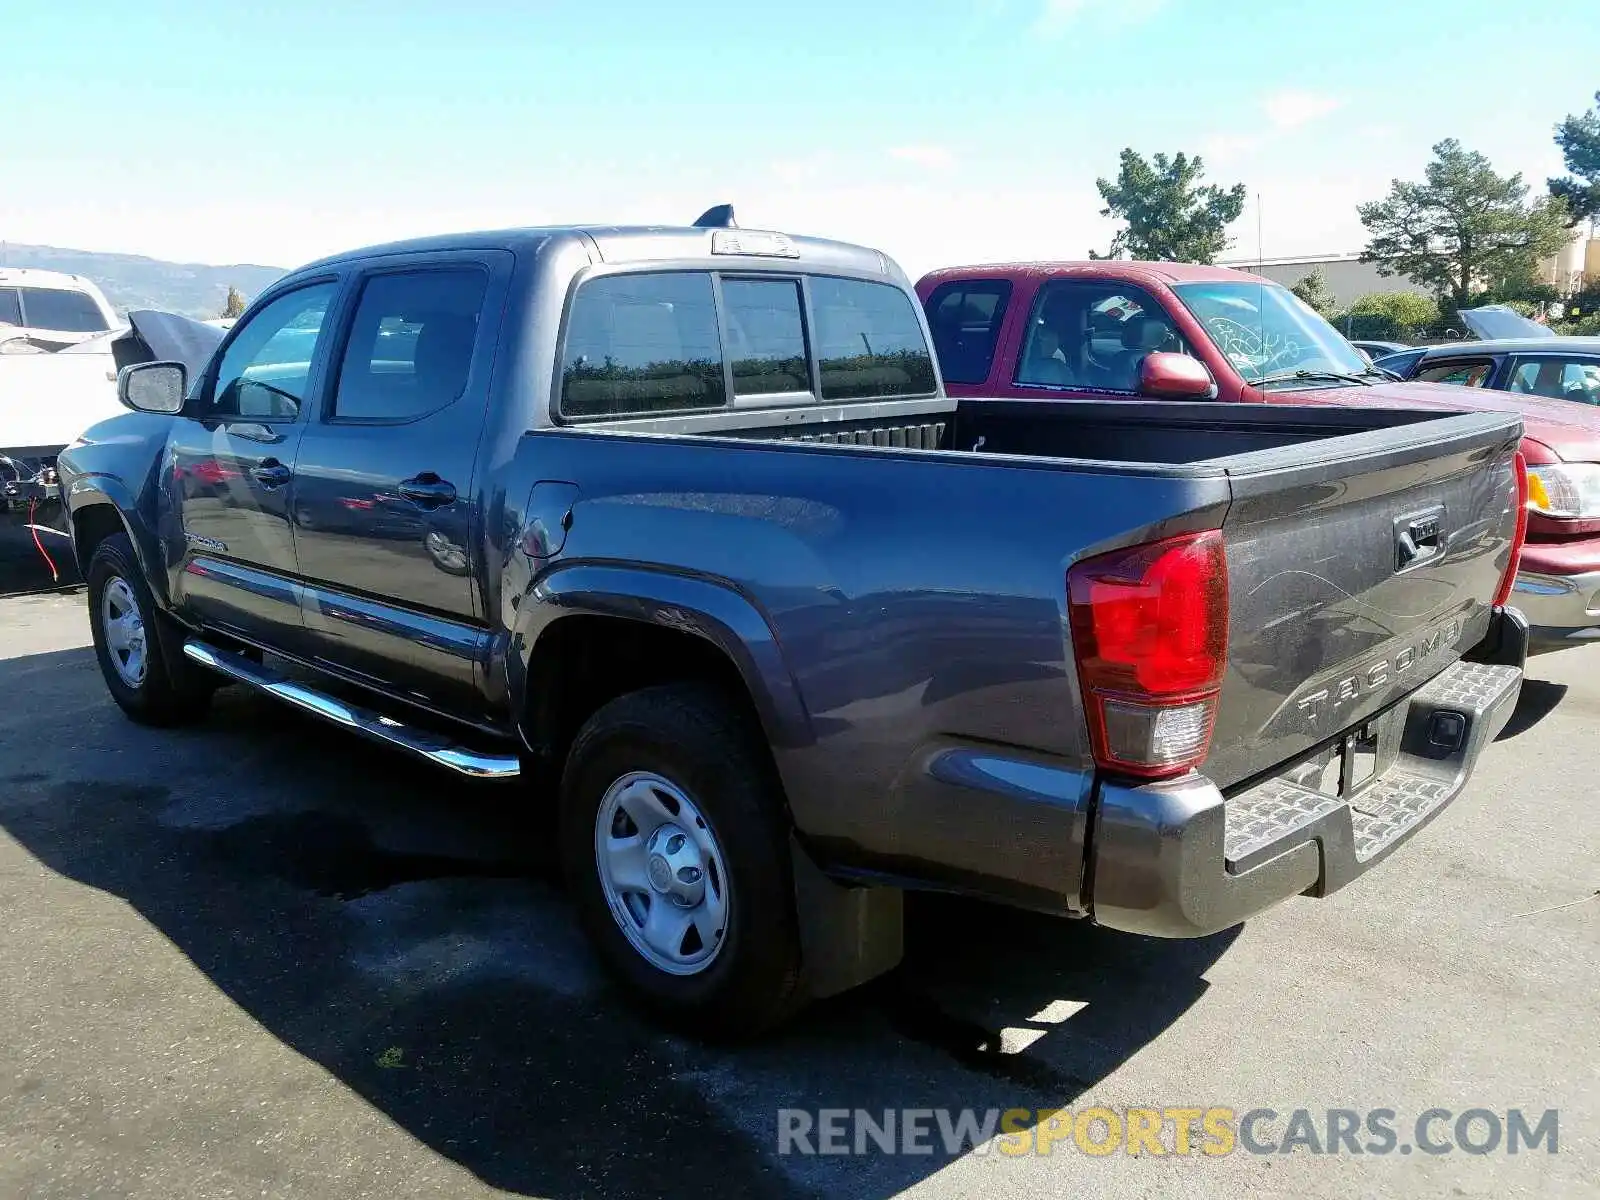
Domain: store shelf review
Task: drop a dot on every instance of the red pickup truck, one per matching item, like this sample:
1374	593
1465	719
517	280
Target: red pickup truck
1113	330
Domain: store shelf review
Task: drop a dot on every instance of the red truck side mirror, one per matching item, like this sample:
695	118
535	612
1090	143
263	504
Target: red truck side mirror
1167	376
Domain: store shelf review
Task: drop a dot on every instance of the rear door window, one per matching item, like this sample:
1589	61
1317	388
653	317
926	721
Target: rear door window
411	343
766	341
869	340
1471	373
965	317
56	308
1559	378
10	307
642	344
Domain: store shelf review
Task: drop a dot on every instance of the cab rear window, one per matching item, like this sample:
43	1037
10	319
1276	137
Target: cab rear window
642	344
766	336
869	341
652	343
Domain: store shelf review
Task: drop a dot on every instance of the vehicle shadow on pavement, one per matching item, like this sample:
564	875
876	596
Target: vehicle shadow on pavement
23	569
1537	701
403	929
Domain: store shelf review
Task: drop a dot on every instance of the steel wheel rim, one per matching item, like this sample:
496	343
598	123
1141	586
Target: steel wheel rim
123	627
662	873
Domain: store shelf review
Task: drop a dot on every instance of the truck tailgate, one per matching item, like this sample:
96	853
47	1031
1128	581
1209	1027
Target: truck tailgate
1358	569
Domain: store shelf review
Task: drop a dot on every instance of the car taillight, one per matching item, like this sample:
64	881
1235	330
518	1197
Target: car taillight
1520	534
1150	632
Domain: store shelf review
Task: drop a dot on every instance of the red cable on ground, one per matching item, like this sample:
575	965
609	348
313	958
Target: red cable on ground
55	575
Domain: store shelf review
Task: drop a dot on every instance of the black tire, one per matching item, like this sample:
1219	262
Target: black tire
162	697
694	738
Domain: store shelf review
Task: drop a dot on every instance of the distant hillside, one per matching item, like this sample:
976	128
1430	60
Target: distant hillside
132	281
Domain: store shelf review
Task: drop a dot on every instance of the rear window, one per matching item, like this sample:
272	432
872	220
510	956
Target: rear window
869	340
651	343
766	336
965	317
644	343
69	312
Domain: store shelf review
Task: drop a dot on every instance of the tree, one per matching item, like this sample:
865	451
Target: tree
1463	227
1579	140
1522	287
234	305
1313	289
1170	215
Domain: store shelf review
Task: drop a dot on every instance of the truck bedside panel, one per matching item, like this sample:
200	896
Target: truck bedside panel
994	820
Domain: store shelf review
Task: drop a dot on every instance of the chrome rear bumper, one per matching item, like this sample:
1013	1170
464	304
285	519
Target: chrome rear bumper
1179	859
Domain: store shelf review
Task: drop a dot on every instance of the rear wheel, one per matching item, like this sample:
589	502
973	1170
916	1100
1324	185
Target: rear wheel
133	642
675	844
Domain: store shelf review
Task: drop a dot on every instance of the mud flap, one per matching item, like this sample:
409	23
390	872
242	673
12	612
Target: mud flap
848	935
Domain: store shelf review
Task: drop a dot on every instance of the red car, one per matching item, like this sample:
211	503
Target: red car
1115	330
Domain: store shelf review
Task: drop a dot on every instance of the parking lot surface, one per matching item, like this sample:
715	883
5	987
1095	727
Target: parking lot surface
258	958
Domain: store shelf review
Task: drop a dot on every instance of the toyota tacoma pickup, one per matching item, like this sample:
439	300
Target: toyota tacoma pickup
1084	330
679	526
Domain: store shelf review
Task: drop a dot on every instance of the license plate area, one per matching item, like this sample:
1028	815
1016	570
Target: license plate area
1350	765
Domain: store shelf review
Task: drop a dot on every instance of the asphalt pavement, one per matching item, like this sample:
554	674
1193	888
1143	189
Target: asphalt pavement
257	958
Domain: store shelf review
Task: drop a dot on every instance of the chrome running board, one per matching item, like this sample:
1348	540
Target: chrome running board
431	746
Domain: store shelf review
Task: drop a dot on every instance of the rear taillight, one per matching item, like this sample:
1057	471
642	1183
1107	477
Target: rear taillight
1520	534
1150	631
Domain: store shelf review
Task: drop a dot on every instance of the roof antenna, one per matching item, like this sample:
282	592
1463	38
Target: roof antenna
719	216
1261	253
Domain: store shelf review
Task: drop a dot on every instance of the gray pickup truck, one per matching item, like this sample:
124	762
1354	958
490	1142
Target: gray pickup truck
678	525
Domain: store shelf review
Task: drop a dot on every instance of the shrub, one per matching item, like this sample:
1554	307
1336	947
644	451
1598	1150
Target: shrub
1389	316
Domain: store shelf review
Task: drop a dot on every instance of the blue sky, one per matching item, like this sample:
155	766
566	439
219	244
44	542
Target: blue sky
969	130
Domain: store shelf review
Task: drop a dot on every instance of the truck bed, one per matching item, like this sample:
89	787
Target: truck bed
1311	502
1090	433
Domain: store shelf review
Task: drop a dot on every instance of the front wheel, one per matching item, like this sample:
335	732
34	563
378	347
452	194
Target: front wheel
675	845
130	642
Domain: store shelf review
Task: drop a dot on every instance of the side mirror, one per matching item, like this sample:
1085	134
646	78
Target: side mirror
1167	376
157	387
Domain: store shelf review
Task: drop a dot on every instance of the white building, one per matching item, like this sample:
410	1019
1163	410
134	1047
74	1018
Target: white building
1348	277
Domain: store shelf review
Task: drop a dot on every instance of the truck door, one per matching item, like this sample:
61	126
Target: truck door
232	468
386	508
